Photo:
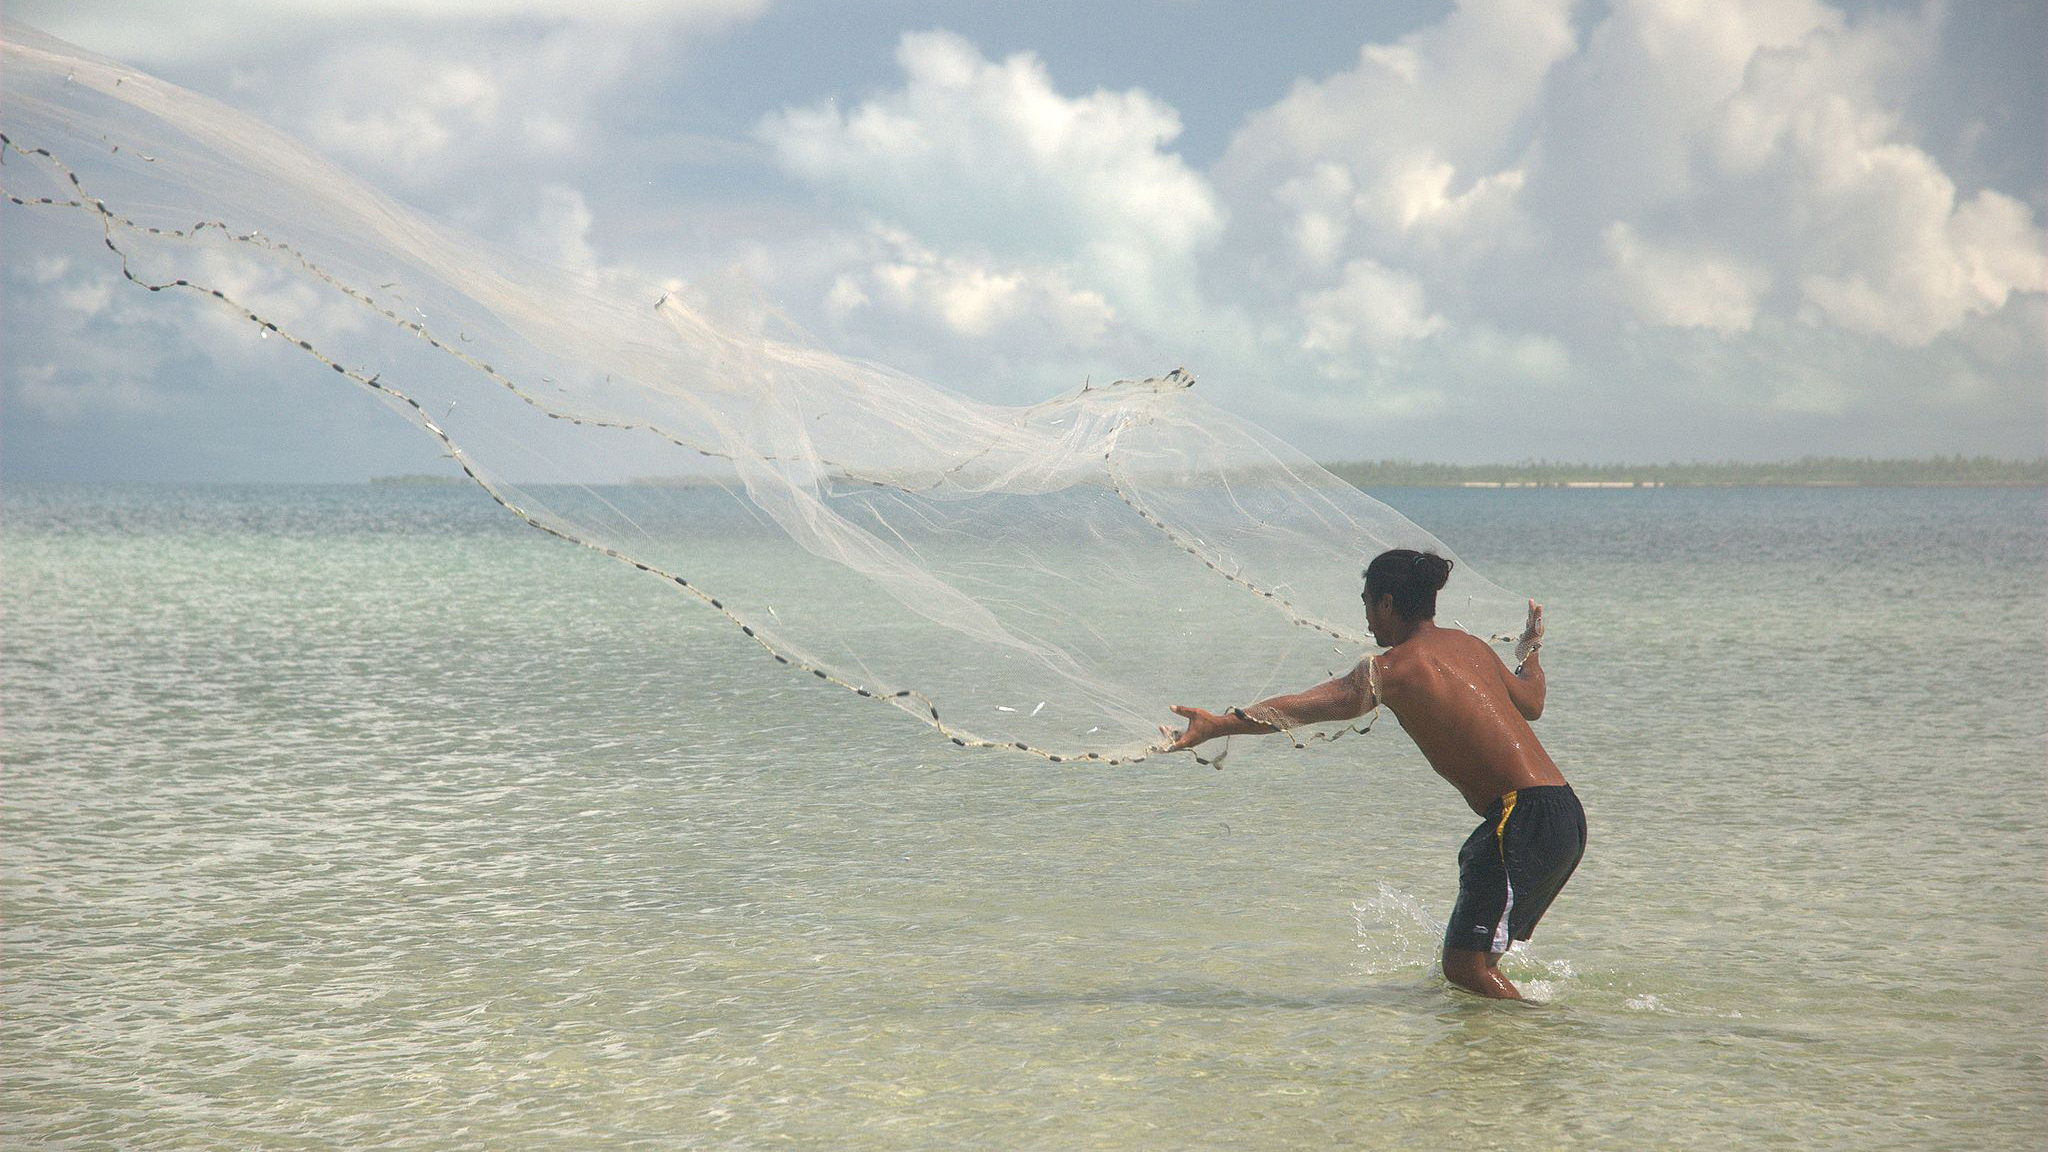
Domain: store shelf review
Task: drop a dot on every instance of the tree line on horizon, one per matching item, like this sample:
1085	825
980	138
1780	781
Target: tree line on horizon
1808	470
1811	470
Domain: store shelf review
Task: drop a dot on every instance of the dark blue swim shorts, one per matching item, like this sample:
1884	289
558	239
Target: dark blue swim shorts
1513	865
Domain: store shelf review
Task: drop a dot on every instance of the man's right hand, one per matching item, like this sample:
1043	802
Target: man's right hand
1202	725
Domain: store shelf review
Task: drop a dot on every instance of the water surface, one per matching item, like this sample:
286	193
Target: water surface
352	816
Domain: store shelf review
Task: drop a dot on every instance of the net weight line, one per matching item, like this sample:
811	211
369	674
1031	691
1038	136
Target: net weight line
111	223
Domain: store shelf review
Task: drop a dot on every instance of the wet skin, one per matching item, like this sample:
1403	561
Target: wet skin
1463	707
1467	712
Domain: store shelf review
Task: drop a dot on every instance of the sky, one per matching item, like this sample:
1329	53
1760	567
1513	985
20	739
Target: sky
1482	231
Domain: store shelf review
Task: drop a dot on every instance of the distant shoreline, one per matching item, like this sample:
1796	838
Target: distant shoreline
1812	472
1628	484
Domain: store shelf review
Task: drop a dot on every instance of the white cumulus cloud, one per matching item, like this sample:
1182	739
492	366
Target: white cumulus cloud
989	155
1880	240
1373	309
1418	146
969	297
1685	288
400	108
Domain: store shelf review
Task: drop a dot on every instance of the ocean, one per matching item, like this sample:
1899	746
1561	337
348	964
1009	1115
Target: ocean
366	816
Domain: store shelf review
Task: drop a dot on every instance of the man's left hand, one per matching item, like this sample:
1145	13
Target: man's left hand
1532	635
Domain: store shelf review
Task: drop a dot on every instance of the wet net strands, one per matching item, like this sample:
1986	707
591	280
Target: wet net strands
111	220
949	557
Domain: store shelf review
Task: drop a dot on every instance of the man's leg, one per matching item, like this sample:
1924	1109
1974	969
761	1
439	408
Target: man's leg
1478	973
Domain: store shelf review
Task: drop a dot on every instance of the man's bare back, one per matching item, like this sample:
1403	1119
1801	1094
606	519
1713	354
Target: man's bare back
1470	715
1467	713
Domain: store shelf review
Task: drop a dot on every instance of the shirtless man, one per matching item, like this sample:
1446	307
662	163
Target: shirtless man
1470	716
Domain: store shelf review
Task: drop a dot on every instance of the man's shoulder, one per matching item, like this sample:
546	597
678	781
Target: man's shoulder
1401	665
1416	660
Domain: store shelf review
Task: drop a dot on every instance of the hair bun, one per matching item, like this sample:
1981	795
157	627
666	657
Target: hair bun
1435	569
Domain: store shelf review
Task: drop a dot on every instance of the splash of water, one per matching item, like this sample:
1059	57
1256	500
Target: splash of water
1397	934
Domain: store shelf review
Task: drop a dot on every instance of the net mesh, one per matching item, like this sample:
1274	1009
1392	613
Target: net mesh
1043	579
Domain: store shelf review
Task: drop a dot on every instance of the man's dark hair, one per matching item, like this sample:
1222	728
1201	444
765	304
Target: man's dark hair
1410	577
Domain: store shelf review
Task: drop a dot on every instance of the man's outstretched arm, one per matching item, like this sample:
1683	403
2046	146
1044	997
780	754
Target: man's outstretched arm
1345	698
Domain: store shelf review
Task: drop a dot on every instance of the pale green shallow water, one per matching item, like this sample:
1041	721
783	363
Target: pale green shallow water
342	817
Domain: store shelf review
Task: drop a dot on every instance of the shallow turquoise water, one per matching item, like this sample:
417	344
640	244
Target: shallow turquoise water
346	816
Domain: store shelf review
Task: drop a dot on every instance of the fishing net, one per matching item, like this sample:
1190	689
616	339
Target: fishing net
1044	579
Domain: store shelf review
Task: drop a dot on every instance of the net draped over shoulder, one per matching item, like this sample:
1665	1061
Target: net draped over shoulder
1043	579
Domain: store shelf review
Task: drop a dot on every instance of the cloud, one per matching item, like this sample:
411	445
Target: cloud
270	289
1494	211
91	351
1416	149
1450	93
987	155
970	298
1621	122
1768	144
77	391
87	299
1373	309
150	31
428	113
559	232
1526	227
1761	144
433	98
1685	288
1935	264
1881	244
410	107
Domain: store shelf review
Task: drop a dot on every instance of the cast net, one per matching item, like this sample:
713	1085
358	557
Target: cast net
1044	579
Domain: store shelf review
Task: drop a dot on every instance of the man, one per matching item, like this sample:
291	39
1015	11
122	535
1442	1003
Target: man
1470	716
